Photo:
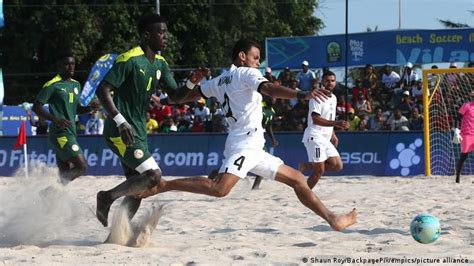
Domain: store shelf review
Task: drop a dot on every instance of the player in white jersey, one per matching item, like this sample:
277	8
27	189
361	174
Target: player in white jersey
319	137
239	90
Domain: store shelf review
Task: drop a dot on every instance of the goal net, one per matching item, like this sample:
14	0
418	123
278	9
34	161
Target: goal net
444	92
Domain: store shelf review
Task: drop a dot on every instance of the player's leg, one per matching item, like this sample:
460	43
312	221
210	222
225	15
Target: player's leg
256	183
273	167
219	187
459	165
131	203
69	157
317	171
333	164
138	158
77	167
295	179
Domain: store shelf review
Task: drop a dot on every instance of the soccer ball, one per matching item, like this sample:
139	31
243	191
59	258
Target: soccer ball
425	228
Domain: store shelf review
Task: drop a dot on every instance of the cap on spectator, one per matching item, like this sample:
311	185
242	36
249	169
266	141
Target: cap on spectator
202	100
453	65
268	70
305	63
351	111
410	65
407	93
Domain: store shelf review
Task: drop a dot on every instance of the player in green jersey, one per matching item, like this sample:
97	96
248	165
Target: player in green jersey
134	78
62	94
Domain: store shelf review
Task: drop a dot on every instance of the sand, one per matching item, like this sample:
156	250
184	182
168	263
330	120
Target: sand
268	226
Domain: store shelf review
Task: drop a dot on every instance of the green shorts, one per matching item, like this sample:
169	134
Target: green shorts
131	156
64	146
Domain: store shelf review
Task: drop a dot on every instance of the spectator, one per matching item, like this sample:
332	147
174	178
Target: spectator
357	90
406	106
219	123
363	106
409	78
151	124
398	122
370	81
377	121
269	76
354	120
293	85
341	107
160	111
416	120
202	110
197	126
390	83
362	123
183	124
204	113
306	78
95	124
286	77
168	125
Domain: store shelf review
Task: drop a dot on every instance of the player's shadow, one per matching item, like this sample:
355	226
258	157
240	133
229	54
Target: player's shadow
375	231
84	243
257	230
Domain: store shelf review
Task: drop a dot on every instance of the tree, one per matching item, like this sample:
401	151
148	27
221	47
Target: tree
201	33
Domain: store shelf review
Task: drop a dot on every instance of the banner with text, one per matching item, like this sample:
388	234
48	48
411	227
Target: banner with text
366	153
380	47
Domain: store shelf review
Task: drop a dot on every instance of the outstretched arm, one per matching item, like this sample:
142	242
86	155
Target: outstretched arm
282	92
180	95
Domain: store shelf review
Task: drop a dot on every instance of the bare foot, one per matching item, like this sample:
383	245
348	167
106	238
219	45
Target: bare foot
339	222
103	207
302	167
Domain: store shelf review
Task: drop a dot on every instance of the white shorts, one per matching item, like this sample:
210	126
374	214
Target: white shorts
259	162
320	149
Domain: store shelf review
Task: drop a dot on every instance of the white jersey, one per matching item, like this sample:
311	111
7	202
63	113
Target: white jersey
237	91
326	110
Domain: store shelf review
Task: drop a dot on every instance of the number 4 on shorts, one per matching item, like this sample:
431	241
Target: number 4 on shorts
239	162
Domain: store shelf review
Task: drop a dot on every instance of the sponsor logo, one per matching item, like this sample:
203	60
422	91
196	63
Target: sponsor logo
75	147
158	74
407	157
138	154
76	91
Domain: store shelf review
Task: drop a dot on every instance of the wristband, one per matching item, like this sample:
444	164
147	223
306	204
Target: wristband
119	119
300	95
190	85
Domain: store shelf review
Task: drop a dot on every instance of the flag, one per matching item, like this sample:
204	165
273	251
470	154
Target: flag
21	139
98	71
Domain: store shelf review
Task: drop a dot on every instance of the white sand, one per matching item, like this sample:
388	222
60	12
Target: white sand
268	226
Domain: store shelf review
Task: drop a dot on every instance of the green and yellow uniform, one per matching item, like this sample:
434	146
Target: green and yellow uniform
63	98
135	79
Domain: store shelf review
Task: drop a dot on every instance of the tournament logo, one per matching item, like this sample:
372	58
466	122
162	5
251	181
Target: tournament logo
334	52
75	147
158	74
138	154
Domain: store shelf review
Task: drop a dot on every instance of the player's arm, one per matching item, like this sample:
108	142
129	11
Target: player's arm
318	120
40	111
105	97
282	92
180	94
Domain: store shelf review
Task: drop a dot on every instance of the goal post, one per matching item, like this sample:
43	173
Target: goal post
444	92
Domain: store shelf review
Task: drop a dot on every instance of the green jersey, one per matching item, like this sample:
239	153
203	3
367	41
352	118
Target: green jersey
136	79
62	97
268	113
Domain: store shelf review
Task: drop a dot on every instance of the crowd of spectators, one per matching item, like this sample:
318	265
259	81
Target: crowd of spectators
380	99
